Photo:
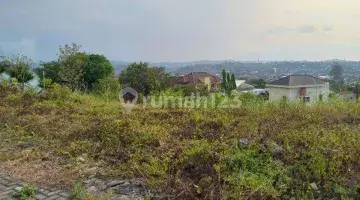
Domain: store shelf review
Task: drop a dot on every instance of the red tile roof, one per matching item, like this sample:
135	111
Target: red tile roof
195	78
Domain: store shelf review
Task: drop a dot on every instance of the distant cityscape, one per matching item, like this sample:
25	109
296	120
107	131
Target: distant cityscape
268	71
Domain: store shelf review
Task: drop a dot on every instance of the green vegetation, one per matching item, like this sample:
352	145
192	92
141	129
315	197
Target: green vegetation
78	192
237	146
258	83
144	79
28	192
18	67
261	150
77	70
337	82
228	82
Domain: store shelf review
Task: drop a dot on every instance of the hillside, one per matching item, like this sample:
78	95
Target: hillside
258	151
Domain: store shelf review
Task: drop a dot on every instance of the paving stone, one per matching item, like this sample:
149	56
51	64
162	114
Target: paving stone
12	187
53	197
15	183
56	191
123	189
40	197
115	183
2	187
61	198
43	191
64	194
5	193
4	181
18	188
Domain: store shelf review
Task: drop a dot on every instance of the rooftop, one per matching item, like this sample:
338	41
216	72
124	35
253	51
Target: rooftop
196	77
294	80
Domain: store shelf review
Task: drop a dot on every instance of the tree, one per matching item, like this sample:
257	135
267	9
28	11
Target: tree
20	69
97	67
72	64
337	77
68	50
233	82
4	64
356	90
49	70
258	83
223	84
228	81
72	71
143	78
158	79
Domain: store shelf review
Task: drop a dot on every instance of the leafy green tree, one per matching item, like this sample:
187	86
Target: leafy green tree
258	83
158	79
97	67
68	50
228	81
49	70
337	78
144	78
76	69
72	71
356	90
4	64
224	84
233	82
20	69
136	76
72	66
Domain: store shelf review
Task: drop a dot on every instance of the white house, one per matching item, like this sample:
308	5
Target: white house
346	96
299	87
239	82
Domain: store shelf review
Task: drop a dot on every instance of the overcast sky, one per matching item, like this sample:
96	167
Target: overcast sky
184	30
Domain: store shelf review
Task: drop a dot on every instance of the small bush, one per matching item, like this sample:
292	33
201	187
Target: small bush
78	192
28	192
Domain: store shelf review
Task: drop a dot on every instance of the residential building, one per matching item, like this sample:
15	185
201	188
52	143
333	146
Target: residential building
299	87
239	82
346	96
199	80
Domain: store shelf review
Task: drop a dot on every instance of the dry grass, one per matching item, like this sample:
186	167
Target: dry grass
43	173
185	153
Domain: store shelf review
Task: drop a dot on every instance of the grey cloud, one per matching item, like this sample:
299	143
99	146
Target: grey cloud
328	28
307	29
24	46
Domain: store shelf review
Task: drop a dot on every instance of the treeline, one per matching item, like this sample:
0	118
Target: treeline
85	72
94	73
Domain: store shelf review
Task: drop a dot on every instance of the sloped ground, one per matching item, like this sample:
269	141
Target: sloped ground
258	151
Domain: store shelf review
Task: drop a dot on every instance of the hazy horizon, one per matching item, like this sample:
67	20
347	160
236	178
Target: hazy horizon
184	31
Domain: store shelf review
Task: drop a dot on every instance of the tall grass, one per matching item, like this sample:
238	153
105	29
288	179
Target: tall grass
261	150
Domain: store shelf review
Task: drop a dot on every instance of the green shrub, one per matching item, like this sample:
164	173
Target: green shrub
78	192
28	192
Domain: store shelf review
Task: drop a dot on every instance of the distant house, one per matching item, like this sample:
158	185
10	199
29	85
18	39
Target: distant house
298	87
239	82
199	80
347	95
